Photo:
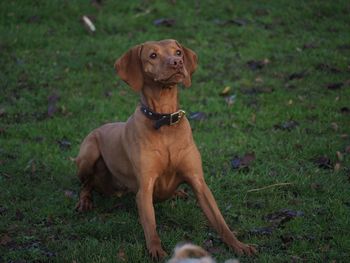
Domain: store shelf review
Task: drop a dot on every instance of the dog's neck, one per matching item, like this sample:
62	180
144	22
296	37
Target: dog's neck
160	98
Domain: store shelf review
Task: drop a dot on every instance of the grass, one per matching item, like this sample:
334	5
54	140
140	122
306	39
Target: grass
48	59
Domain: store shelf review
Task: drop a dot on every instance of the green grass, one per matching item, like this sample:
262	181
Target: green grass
45	50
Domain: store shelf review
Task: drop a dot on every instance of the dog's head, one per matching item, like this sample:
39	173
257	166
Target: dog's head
166	62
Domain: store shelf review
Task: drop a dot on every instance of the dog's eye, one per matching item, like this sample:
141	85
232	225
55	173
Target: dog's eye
153	55
178	52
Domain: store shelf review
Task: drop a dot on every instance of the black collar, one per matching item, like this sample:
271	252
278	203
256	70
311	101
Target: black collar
162	118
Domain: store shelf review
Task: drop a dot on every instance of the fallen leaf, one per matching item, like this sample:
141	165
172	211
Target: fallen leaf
19	215
49	221
52	101
257	64
345	110
31	166
309	46
64	111
6	175
70	194
287	239
335	86
255	204
282	216
2	112
298	146
253	118
96	3
143	12
256	90
3	210
259	80
208	243
262	230
247	159
296	259
33	19
325	248
297	75
237	22
301	98
323	162
64	144
168	22
316	186
344	47
289	125
5	239
334	126
108	93
236	162
328	68
339	156
89	25
121	254
224	92
243	162
197	116
261	12
211	244
347	149
89	65
290	86
230	100
344	136
39	138
215	250
337	167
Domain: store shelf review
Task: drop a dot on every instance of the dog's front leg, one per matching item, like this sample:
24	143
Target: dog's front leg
144	200
193	173
208	204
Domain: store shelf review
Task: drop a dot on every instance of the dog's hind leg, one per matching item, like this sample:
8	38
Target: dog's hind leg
88	155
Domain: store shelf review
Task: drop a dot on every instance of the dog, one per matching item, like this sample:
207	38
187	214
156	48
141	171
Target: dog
189	253
153	152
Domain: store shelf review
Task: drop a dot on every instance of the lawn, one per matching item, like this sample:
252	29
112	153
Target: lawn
275	144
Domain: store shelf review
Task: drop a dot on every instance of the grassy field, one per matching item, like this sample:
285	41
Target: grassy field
287	64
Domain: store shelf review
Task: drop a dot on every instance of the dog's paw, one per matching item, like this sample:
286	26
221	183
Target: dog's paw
180	194
157	253
84	204
244	249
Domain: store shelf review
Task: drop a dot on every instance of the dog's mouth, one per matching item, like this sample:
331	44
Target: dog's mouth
173	78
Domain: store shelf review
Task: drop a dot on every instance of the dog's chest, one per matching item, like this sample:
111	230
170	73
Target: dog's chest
169	178
166	185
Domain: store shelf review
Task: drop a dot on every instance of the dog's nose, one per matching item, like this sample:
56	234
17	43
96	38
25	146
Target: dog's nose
175	62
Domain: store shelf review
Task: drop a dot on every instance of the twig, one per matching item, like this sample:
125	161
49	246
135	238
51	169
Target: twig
6	175
269	186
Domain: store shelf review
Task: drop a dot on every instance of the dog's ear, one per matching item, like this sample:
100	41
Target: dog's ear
190	61
129	68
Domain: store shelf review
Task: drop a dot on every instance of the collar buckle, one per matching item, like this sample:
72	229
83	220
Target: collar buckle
176	117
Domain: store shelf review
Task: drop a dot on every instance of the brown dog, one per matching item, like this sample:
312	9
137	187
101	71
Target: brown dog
153	152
